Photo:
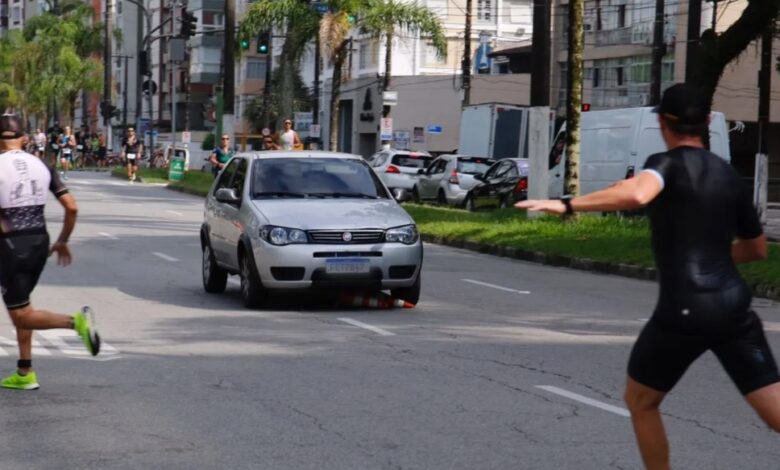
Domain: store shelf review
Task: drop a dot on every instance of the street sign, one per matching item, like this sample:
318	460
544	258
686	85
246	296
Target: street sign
314	131
386	129
186	137
435	129
149	86
390	98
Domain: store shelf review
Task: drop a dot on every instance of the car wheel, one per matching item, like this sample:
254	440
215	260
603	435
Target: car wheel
502	203
252	290
410	294
214	277
469	203
441	198
415	195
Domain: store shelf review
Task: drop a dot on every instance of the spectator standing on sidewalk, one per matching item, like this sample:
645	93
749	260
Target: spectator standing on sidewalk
703	224
221	155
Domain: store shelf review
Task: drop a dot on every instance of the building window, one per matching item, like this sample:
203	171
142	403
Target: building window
596	77
439	7
484	10
619	76
368	53
621	16
255	69
16	15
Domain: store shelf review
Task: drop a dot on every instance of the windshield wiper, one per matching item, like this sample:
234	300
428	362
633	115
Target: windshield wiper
279	194
344	195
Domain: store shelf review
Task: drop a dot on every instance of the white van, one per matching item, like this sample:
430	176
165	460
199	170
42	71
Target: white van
616	143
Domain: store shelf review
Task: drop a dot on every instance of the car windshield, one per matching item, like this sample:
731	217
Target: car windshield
290	177
412	160
473	166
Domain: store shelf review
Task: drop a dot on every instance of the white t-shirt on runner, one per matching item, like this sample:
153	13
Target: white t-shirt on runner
288	140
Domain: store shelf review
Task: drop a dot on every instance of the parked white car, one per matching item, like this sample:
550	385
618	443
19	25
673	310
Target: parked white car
449	178
398	169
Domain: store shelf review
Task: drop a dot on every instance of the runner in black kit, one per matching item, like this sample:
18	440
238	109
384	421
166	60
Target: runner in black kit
132	148
703	223
24	247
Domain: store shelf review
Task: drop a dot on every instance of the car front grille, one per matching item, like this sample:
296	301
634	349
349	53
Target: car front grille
336	237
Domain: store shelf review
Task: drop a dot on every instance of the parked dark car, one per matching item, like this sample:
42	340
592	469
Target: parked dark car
502	185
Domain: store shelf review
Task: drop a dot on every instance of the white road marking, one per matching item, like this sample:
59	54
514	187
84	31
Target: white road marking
175	213
375	329
588	401
108	235
66	341
89	183
165	257
234	281
116	183
493	286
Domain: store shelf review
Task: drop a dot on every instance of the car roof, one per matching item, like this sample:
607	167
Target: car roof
421	153
299	154
457	155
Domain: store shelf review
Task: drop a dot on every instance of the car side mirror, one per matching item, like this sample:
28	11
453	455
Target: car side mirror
479	177
227	195
421	171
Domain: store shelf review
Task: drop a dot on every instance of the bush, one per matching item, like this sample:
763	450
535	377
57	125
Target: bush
209	143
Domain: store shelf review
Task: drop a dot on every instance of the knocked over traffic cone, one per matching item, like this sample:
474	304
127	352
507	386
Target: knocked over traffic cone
372	300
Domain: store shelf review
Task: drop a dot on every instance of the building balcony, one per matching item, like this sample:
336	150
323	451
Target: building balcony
207	5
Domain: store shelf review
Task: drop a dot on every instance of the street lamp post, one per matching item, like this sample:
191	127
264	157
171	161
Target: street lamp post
146	45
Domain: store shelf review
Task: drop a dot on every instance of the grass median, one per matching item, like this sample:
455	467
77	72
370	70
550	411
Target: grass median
606	239
194	181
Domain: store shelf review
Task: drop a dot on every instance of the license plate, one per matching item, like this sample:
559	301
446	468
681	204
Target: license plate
347	266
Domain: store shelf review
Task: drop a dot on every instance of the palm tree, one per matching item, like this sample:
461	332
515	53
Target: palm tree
385	18
301	24
334	30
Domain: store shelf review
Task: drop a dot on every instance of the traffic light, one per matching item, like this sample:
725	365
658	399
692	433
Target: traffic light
263	42
108	110
188	21
245	44
143	63
352	18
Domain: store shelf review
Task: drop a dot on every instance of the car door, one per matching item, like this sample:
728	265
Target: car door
429	182
234	219
493	183
481	190
218	225
507	184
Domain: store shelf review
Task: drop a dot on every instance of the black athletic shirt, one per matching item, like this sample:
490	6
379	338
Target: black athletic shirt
703	207
24	179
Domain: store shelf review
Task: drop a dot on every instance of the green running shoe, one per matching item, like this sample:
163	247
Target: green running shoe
84	324
21	382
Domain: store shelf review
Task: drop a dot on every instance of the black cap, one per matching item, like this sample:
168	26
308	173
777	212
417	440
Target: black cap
684	104
11	127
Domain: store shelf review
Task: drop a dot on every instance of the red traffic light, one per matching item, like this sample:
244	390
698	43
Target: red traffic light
585	107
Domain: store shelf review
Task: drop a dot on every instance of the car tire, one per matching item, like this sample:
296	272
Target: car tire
415	195
441	198
468	204
503	203
214	277
409	294
252	291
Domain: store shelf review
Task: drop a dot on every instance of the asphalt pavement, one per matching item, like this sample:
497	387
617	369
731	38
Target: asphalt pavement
503	364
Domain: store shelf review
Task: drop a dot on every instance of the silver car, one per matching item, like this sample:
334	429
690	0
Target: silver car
303	220
398	169
448	179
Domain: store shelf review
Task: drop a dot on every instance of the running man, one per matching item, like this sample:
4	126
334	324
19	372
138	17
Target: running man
24	248
132	149
289	139
40	143
67	144
703	223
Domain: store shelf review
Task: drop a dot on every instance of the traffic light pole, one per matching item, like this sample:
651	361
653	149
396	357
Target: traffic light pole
107	72
146	45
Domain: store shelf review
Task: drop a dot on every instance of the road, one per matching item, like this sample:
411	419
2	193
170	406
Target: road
503	364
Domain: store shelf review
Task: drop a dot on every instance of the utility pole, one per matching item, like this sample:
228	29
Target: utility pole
269	63
467	56
761	177
540	55
315	119
107	72
694	34
574	105
174	73
659	47
124	86
228	89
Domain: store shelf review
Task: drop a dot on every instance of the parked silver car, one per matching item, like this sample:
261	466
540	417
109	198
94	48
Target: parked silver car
302	220
398	169
448	179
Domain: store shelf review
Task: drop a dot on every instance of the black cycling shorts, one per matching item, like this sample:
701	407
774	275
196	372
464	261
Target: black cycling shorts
22	259
662	354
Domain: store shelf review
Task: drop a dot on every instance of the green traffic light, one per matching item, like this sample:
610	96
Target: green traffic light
244	44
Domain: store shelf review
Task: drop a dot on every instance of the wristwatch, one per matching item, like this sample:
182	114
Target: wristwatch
566	200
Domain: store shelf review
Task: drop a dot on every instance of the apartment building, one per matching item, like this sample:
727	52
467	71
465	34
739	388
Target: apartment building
618	41
428	86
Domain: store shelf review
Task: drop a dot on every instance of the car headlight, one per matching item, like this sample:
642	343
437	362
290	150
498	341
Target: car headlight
282	235
407	235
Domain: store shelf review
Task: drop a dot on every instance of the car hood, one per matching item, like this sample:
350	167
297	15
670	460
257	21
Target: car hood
333	214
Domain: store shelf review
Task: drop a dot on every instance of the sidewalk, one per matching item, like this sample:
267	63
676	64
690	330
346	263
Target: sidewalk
772	227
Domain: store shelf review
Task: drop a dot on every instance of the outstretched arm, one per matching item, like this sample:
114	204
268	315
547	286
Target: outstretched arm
60	247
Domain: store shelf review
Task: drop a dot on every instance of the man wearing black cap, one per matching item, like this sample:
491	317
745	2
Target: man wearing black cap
24	247
703	223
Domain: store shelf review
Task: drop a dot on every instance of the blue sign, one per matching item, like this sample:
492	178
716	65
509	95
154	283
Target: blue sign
320	8
435	129
483	62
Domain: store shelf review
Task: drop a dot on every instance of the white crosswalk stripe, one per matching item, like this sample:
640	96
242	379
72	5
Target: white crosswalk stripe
58	342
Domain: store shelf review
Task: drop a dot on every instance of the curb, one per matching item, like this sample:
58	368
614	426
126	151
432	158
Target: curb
583	264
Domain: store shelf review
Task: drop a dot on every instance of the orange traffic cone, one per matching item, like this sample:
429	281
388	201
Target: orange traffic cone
379	300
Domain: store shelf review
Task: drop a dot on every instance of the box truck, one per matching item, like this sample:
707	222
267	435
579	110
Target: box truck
495	130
